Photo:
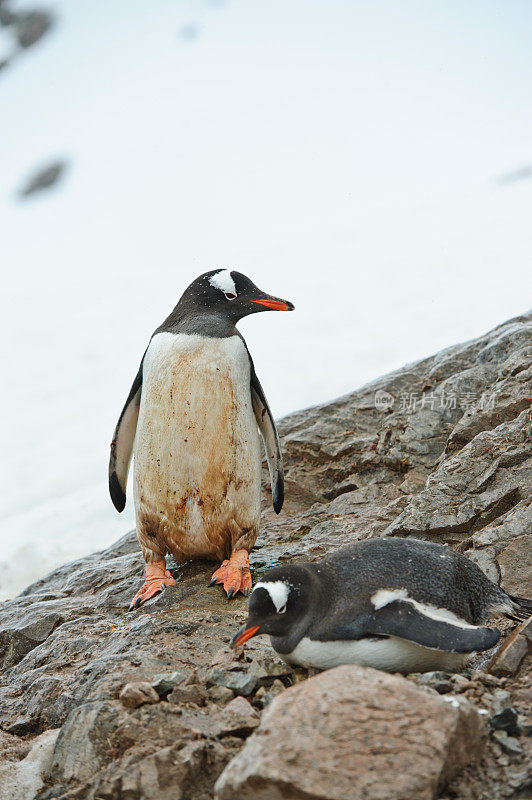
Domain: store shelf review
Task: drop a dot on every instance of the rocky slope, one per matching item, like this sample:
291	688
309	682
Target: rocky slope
99	703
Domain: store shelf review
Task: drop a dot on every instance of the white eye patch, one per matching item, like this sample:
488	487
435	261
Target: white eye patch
223	280
278	592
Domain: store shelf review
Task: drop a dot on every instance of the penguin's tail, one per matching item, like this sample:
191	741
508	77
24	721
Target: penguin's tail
521	607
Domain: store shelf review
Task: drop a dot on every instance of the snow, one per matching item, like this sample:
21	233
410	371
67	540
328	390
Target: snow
348	165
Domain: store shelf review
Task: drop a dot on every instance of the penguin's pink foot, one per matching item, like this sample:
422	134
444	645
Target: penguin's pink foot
234	574
157	578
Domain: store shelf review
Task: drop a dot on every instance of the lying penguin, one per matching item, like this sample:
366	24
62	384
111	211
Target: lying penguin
191	420
400	605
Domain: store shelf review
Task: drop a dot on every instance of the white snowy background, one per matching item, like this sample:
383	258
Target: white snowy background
345	154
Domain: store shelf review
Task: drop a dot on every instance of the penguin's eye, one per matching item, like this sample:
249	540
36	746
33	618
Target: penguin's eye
282	610
230	295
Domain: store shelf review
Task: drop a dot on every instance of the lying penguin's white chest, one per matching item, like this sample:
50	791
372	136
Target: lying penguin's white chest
390	654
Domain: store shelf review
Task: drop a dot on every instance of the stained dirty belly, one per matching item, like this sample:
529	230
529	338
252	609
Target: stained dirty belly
197	452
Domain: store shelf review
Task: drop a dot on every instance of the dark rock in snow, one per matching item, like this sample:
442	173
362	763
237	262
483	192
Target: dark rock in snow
31	26
44	178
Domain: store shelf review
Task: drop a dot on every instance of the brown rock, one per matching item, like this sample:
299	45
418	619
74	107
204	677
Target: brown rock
167	774
354	733
138	694
220	695
515	563
238	718
12	748
509	656
82	746
22	780
192	693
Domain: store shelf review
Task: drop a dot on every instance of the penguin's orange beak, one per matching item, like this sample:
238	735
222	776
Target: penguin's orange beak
276	305
244	634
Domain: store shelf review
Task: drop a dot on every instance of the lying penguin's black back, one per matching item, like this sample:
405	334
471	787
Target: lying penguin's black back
431	573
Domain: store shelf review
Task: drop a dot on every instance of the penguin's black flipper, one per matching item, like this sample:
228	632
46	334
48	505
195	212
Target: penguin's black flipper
404	620
266	424
122	444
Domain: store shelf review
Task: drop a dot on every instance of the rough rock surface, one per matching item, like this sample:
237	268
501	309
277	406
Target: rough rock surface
351	732
23	777
446	455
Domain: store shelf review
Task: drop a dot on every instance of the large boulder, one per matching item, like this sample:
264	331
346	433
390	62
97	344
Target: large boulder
354	733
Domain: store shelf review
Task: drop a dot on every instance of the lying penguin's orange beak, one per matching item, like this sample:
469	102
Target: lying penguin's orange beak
276	305
244	634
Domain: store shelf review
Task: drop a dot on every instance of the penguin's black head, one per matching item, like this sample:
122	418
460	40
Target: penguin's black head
230	294
278	604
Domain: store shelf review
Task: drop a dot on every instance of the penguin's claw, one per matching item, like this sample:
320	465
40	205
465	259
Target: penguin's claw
157	579
234	574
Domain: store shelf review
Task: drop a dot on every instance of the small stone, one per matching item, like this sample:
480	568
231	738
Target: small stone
508	659
500	700
164	682
257	671
191	693
264	696
277	669
238	718
508	744
486	678
298	676
220	695
193	678
436	680
505	720
460	683
520	779
138	694
241	683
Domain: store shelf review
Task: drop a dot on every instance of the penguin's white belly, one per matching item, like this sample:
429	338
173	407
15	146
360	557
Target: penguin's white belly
390	654
197	450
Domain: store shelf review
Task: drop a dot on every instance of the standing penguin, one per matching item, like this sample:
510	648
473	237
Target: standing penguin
191	420
400	605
